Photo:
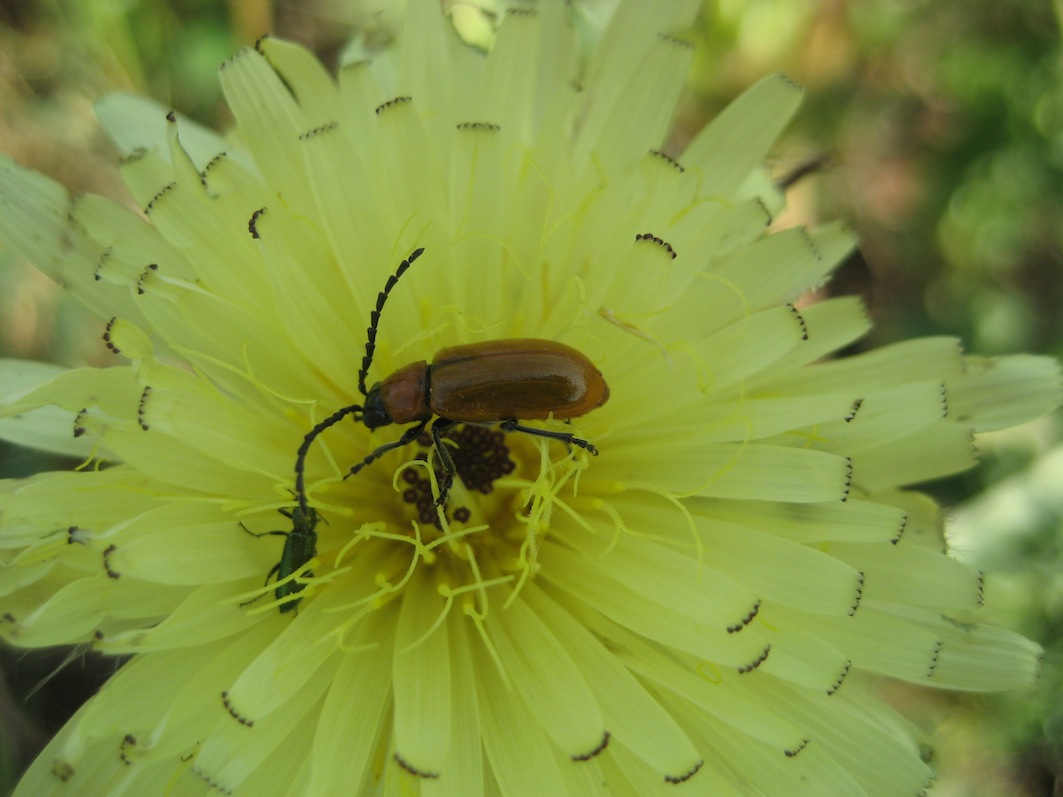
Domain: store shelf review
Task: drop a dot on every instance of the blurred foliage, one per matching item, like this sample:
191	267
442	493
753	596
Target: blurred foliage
941	124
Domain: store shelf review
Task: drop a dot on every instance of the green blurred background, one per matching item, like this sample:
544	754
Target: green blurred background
937	130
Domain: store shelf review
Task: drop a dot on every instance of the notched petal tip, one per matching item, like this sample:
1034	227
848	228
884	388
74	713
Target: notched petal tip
746	620
650	237
415	771
63	770
162	192
392	103
666	158
108	566
842	676
252	225
210	781
319	130
755	664
484	127
236	715
685	776
597	749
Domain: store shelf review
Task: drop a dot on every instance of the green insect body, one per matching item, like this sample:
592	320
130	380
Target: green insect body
300	546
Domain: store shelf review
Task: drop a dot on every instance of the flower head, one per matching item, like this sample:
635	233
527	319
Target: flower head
695	608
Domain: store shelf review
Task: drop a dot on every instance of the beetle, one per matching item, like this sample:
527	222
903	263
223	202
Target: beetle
498	381
300	546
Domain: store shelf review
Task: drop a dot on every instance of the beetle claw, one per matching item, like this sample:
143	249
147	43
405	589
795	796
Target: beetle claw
444	490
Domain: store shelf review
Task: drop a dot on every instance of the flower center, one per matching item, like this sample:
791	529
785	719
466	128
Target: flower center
488	534
480	457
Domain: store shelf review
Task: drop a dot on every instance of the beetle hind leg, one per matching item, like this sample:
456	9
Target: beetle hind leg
565	437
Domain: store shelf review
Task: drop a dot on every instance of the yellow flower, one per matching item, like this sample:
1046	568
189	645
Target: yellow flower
694	610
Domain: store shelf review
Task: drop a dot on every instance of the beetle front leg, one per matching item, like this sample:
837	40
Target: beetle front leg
408	437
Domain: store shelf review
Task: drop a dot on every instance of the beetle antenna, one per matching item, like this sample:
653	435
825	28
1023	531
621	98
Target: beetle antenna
374	317
300	459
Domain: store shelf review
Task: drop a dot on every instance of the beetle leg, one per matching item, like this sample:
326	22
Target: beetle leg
269	575
565	437
445	460
408	437
264	533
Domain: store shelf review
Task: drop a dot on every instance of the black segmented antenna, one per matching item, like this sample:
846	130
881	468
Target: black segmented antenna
374	317
367	361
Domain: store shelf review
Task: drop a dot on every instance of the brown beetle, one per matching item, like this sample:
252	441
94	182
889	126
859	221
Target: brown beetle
497	381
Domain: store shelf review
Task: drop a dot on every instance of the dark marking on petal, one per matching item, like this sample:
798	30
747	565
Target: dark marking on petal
686	775
104	257
944	402
78	428
110	549
934	658
128	741
211	164
391	104
649	236
171	116
133	156
9	618
768	217
97	635
763	657
734	629
62	770
793	753
598	749
252	225
236	715
811	243
855	408
668	38
800	320
107	336
210	781
140	408
664	156
155	199
74	535
848	478
834	687
487	127
981	588
524	13
420	773
859	593
152	267
901	530
313	133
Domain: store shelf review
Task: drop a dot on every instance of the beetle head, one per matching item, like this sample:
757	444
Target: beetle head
374	413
